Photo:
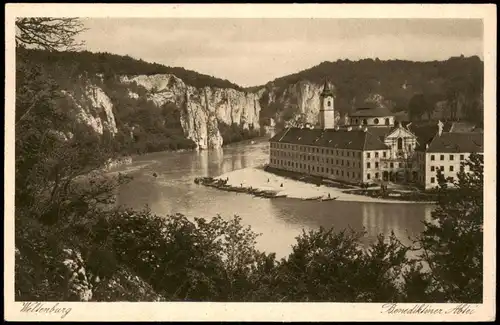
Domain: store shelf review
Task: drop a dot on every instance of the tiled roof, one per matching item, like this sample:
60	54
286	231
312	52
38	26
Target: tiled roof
371	112
356	139
426	131
457	142
380	131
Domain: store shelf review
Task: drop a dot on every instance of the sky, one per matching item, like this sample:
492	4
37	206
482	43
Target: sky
253	51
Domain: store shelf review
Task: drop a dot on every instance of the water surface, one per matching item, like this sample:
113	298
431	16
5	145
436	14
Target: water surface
278	220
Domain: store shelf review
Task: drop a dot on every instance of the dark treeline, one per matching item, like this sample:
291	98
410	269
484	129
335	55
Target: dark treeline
85	62
234	133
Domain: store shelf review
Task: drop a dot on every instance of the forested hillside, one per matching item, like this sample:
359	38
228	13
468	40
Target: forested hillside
127	115
85	62
447	89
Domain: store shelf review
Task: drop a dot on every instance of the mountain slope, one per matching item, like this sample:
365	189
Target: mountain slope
145	106
452	88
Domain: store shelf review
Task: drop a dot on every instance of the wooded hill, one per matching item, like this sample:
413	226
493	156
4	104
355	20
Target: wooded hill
458	81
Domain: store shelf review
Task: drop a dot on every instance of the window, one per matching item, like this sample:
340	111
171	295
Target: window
451	168
387	121
342	173
392	165
461	157
432	168
384	154
337	172
367	155
367	165
375	121
452	157
409	147
442	168
432	157
441	157
451	179
368	176
356	121
329	103
365	122
348	163
376	175
462	169
400	143
347	174
433	180
376	165
376	154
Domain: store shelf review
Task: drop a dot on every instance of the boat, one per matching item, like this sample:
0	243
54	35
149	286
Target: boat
330	199
312	198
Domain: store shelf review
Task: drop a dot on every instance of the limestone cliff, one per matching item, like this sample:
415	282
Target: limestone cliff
202	109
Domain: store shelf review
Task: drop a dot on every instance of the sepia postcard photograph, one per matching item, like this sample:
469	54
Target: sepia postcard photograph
250	162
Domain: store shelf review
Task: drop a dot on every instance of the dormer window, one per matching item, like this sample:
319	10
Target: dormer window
387	121
375	121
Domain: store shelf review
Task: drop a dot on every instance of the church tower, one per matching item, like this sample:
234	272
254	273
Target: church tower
327	108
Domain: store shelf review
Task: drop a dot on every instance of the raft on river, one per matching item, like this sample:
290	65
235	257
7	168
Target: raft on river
221	184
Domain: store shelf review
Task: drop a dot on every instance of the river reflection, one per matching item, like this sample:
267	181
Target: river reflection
279	220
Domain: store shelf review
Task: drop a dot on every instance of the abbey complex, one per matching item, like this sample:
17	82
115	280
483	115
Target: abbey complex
373	147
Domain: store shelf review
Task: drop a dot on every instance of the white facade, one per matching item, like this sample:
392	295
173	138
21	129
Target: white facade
448	163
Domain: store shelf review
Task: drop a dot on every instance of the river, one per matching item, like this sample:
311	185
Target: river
278	221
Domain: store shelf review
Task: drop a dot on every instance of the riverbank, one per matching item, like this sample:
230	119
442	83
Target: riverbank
258	179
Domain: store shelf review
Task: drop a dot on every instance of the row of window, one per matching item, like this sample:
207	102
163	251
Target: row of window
348	163
375	121
452	168
321	159
318	169
384	154
341	152
451	157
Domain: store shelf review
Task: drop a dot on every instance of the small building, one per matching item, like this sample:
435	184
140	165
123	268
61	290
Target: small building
446	151
372	116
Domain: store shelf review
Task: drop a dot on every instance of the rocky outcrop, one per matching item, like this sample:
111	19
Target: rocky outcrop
93	107
202	108
300	102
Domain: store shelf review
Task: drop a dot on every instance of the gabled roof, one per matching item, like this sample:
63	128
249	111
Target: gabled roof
426	131
371	112
380	131
450	142
356	139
